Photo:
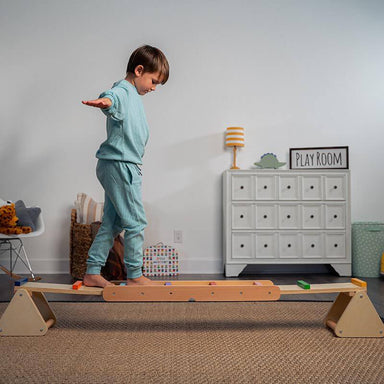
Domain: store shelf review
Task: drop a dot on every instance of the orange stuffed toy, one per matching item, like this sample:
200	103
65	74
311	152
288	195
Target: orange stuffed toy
8	221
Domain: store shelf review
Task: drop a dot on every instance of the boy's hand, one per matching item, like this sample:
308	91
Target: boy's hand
102	103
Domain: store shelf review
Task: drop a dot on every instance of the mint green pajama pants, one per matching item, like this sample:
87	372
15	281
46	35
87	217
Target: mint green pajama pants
123	210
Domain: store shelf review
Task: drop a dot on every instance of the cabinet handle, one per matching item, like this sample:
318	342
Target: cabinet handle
312	216
241	216
288	216
336	245
335	187
312	245
335	216
265	216
312	187
288	187
242	187
242	246
289	245
265	187
265	245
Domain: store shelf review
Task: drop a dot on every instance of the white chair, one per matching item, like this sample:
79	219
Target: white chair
14	244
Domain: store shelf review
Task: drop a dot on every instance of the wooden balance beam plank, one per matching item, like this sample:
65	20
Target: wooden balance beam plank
192	292
320	288
60	288
195	290
236	283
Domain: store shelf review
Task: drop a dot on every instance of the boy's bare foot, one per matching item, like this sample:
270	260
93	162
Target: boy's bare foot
142	280
95	281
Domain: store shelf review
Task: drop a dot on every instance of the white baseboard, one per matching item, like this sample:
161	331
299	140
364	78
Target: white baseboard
61	266
41	266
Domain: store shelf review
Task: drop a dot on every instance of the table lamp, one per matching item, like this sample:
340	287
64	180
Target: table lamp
234	137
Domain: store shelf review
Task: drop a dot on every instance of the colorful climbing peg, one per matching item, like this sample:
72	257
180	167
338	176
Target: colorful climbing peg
303	284
257	283
212	283
122	284
359	282
167	283
21	281
77	285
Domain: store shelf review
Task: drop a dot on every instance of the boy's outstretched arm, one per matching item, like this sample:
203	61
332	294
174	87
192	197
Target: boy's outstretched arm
102	103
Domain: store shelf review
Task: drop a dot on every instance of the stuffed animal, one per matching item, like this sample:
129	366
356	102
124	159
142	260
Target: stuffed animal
8	221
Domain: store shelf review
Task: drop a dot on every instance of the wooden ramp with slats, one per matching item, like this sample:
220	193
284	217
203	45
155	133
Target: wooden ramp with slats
351	315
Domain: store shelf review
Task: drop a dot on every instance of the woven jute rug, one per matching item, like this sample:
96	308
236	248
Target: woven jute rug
263	342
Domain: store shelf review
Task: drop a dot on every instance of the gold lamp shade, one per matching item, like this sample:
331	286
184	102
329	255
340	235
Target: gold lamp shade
234	137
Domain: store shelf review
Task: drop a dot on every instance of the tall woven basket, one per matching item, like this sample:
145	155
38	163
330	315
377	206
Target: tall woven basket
80	241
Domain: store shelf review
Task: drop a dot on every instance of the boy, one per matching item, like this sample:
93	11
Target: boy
118	167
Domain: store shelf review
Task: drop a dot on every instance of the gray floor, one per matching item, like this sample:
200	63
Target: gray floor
375	286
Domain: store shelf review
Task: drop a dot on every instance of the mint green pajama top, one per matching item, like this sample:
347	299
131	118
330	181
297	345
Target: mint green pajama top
127	127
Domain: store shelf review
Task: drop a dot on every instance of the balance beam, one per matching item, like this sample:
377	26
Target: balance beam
351	315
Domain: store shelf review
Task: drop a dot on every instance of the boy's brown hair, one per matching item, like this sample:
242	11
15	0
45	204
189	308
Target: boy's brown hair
152	59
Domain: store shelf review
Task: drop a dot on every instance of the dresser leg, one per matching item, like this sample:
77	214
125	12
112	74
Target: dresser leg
343	269
234	270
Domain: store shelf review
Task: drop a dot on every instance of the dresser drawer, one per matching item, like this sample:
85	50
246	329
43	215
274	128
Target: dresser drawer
311	188
243	216
242	187
265	187
312	216
335	187
289	188
289	245
266	245
242	245
289	216
335	216
335	245
313	245
265	216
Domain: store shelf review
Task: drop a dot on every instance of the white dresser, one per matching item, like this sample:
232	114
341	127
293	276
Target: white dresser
286	217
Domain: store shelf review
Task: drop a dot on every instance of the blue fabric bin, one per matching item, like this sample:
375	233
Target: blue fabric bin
367	248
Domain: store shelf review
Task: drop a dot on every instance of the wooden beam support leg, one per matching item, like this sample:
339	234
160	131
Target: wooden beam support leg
353	315
28	314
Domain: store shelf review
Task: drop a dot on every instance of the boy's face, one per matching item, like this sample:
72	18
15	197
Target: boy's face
145	82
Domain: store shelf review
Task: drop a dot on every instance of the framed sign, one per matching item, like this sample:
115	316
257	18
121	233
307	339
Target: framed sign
319	158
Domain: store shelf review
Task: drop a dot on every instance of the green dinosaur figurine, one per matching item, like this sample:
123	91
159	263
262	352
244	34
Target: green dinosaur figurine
269	160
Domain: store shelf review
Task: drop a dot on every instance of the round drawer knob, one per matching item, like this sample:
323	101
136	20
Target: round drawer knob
241	216
265	216
242	246
288	216
312	216
312	187
265	245
312	245
289	245
288	187
242	187
335	216
336	245
335	187
265	187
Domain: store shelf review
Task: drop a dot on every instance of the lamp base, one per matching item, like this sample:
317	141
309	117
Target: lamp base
234	167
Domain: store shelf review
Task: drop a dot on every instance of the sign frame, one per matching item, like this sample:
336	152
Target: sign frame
319	158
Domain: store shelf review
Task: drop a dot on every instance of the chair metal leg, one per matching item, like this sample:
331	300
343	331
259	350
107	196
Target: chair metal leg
20	253
27	260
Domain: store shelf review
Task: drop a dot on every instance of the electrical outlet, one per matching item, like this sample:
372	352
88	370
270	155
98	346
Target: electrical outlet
177	236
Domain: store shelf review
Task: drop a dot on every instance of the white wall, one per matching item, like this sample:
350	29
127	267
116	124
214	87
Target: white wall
294	73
